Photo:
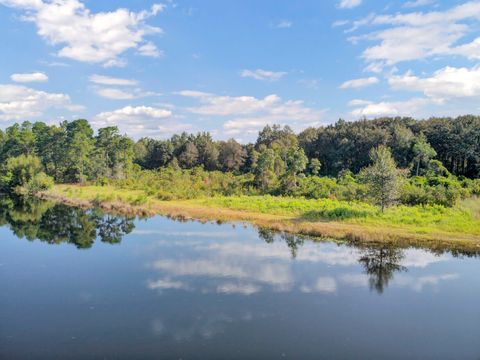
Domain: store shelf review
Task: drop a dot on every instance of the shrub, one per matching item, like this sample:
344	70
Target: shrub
40	182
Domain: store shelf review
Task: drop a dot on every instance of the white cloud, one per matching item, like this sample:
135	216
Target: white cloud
419	35
358	102
150	49
417	3
260	74
248	114
349	4
22	103
85	36
30	77
375	67
193	93
116	94
137	121
395	108
444	84
120	94
338	23
284	24
357	83
107	80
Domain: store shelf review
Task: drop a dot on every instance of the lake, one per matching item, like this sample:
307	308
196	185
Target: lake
79	284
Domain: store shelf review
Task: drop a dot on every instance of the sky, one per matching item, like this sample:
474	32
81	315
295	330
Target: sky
232	67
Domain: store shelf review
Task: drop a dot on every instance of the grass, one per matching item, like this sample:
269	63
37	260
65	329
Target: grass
431	226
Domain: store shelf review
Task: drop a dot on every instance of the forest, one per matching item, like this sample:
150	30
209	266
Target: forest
383	161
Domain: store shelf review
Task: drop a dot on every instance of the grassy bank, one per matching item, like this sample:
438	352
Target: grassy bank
429	226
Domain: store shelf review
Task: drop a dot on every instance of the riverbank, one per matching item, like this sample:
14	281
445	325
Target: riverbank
434	227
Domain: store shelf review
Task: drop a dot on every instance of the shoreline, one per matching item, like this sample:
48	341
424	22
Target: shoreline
338	230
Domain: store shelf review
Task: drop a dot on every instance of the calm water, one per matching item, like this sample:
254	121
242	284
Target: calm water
83	285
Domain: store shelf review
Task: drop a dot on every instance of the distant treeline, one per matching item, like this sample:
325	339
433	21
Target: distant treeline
72	152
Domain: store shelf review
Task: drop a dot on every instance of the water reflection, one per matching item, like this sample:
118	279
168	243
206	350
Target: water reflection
56	223
192	290
380	265
225	266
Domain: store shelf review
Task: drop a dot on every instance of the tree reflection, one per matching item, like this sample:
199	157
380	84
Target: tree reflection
57	223
294	242
380	264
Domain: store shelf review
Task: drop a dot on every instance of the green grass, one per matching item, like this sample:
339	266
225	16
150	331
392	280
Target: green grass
419	219
425	219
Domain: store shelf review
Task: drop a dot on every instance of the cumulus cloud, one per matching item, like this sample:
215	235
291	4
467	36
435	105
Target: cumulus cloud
138	121
149	49
260	74
90	37
29	77
394	108
22	103
357	83
248	114
349	4
419	35
116	94
107	80
444	84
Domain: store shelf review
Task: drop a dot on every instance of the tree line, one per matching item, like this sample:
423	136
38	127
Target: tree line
278	162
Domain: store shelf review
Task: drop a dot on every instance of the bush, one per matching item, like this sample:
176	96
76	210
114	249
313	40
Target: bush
40	182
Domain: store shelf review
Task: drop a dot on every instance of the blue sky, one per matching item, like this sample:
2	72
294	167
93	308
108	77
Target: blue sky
231	67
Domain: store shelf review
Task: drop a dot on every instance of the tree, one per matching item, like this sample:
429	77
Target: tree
189	156
382	176
423	151
207	151
79	146
314	166
24	173
232	155
265	170
296	164
19	140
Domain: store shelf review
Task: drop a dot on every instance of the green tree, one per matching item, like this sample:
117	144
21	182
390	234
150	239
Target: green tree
79	147
189	156
265	170
24	173
314	166
423	151
232	155
382	176
296	164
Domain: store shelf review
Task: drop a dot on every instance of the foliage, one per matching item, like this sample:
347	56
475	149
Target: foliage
24	173
318	163
382	176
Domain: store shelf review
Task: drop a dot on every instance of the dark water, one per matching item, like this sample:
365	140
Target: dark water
83	285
